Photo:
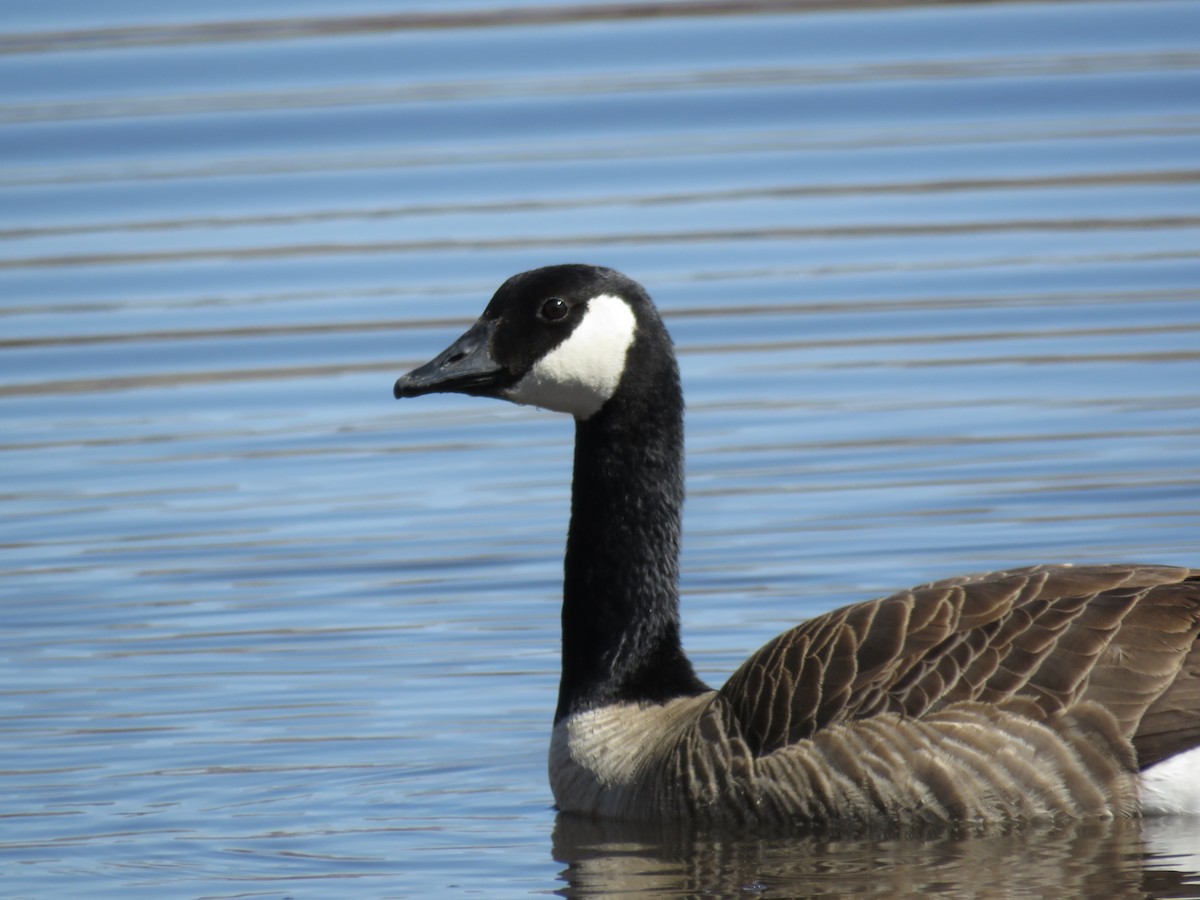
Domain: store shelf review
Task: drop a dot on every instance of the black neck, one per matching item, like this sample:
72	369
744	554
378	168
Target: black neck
620	616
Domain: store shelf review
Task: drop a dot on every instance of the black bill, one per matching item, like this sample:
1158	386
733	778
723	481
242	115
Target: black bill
465	367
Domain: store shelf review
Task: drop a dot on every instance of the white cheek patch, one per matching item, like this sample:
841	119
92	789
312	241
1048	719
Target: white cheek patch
582	372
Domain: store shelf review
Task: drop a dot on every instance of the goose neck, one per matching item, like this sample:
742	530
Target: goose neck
621	635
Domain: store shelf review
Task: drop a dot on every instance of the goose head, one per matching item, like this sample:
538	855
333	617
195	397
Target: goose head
559	337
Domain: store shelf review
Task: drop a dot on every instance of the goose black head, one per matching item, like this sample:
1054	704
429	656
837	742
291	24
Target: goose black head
557	337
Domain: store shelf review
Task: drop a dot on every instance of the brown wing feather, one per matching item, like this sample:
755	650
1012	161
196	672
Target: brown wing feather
1122	636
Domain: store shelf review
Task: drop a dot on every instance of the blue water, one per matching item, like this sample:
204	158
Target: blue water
934	276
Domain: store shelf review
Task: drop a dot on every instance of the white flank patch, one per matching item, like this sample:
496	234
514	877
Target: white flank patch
1173	786
582	372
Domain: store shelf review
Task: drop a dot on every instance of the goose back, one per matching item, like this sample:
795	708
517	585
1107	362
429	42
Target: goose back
1052	635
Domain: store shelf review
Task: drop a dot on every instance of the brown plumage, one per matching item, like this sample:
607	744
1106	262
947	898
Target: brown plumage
1053	636
1029	694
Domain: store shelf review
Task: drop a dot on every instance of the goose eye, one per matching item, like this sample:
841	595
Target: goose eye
554	309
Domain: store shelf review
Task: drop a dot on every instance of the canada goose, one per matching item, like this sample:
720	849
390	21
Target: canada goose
1032	693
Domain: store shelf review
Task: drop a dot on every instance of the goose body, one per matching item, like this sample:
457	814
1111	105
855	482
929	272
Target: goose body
1033	693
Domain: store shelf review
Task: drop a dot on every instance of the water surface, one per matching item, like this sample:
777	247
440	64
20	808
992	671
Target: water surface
933	275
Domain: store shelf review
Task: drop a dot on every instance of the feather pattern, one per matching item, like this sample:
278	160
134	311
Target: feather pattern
1030	694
